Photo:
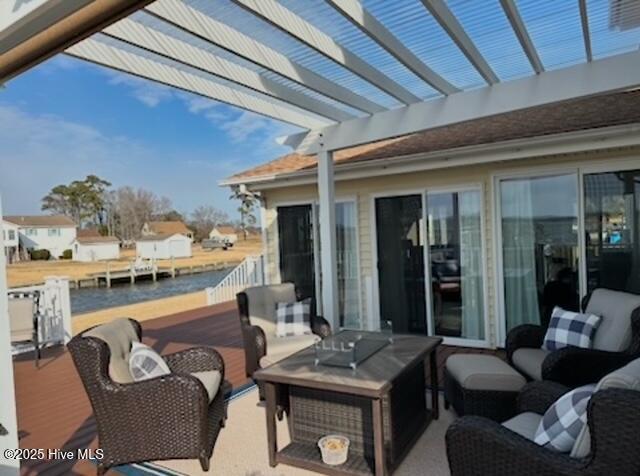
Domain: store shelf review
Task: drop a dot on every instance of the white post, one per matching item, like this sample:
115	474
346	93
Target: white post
328	250
8	419
265	236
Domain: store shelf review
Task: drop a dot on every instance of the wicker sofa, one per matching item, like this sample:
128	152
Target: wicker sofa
477	446
616	343
176	416
257	309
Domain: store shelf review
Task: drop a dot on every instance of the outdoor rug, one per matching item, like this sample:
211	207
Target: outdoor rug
241	449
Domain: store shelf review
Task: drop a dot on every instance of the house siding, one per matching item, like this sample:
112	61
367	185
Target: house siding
365	188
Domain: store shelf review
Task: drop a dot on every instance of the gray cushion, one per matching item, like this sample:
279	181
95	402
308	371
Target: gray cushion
211	380
628	377
484	372
529	361
21	318
279	348
615	307
524	424
118	335
262	305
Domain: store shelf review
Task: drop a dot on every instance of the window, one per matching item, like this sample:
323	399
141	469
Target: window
54	232
12	234
612	230
539	226
31	231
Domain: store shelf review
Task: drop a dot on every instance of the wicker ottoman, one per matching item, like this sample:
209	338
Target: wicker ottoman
481	385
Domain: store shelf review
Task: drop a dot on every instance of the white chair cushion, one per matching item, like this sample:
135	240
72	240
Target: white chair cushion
262	305
628	377
524	424
529	361
118	335
615	307
211	380
146	363
280	348
484	372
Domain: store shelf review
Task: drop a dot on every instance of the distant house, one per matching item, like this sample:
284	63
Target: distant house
166	228
224	233
44	232
11	241
95	248
164	246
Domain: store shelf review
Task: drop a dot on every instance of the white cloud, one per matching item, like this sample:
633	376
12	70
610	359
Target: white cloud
145	91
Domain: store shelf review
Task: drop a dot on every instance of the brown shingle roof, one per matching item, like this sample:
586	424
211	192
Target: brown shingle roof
36	221
168	227
91	240
586	113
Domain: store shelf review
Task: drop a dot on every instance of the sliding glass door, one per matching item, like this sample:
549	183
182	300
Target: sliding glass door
454	231
612	230
539	231
348	282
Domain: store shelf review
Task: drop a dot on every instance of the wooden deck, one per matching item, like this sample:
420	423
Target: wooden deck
54	412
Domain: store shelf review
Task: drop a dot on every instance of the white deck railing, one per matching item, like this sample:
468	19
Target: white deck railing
55	309
248	273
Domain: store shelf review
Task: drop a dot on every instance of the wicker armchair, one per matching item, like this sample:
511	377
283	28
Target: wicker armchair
168	417
257	307
478	446
617	343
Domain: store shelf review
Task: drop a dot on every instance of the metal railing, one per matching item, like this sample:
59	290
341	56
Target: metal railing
248	273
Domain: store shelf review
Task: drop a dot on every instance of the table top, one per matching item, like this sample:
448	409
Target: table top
373	377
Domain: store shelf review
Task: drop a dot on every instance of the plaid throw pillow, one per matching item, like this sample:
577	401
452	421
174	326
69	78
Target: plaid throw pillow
563	421
293	318
568	328
146	363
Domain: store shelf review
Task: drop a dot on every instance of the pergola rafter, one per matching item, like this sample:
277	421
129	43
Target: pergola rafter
100	53
303	31
511	10
353	11
180	51
586	34
194	22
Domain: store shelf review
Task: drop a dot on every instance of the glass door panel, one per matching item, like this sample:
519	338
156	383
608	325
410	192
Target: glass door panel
295	237
539	247
612	233
401	287
455	254
346	233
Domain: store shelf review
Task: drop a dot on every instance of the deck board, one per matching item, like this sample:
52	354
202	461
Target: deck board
54	411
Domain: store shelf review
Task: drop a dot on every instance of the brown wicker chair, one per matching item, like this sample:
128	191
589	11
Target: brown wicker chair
168	417
256	307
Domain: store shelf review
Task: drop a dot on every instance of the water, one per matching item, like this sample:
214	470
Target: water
93	299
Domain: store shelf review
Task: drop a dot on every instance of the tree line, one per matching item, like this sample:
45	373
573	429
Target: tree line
122	212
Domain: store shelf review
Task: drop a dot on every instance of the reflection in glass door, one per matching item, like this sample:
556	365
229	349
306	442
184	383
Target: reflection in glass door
296	247
401	287
612	230
454	233
539	226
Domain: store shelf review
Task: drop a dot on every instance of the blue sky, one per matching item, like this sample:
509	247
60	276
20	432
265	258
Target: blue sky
66	119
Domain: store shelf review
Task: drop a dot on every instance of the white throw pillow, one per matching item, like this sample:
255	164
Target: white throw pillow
146	363
293	318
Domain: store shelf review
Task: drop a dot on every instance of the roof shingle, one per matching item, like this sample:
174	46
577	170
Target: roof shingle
36	221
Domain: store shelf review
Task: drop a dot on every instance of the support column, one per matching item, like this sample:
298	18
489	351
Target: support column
8	419
328	249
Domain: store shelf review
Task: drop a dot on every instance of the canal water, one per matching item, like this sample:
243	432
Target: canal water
93	299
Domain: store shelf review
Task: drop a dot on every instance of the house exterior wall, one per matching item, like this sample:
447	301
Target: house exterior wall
364	190
230	237
95	251
54	239
176	246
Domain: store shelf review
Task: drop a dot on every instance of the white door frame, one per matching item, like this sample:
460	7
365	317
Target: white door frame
459	341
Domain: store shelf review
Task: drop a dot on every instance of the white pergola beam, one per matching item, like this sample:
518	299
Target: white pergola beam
305	32
513	15
328	240
607	75
586	34
217	33
360	17
440	11
180	51
115	58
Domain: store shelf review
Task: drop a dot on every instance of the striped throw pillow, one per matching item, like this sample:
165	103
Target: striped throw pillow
146	363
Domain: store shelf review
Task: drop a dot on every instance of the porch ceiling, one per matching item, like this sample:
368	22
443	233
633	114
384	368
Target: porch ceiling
351	72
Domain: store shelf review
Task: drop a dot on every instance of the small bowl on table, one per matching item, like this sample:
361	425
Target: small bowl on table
334	449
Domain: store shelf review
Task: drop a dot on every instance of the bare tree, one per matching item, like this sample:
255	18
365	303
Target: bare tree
204	218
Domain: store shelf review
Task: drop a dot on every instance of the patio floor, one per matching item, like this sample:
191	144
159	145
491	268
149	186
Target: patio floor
54	412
